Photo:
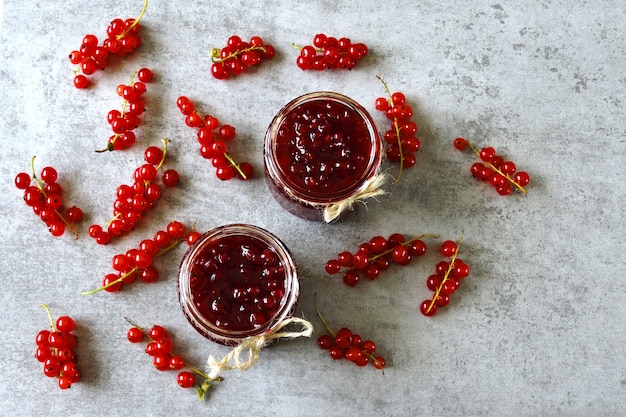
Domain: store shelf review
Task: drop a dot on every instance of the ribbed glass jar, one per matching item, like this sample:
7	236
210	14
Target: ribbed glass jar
320	149
237	281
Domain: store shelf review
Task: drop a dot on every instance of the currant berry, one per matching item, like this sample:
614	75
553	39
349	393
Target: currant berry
401	145
55	350
213	138
45	198
132	201
328	52
185	379
501	174
237	56
137	262
160	348
448	248
374	256
125	121
134	335
447	278
345	344
122	38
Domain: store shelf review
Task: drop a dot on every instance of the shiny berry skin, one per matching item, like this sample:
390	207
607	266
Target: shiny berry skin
428	308
157	332
522	178
134	335
65	324
351	278
80	81
237	56
460	143
213	139
144	75
332	267
328	52
55	350
325	341
185	379
448	248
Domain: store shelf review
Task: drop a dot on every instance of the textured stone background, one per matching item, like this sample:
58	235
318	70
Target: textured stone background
537	328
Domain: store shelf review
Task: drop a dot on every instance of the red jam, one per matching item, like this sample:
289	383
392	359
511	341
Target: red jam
319	149
237	281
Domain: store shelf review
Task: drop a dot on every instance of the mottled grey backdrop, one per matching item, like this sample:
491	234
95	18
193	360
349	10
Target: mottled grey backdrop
537	328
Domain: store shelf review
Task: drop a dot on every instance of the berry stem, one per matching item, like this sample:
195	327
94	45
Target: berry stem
397	129
235	165
127	31
52	325
131	271
187	365
226	155
111	144
112	283
215	52
43	192
333	334
165	142
319	315
447	274
204	386
408	242
508	178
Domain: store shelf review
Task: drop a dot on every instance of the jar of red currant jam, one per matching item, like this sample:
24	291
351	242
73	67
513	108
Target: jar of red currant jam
322	153
237	281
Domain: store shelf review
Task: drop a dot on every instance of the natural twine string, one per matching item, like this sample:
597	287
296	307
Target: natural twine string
254	344
370	188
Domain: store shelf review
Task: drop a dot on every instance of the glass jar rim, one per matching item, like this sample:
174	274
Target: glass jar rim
206	327
279	176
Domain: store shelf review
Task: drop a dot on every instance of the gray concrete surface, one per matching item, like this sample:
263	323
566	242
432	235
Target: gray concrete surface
536	330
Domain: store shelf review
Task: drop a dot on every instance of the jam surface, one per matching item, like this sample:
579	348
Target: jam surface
237	283
323	148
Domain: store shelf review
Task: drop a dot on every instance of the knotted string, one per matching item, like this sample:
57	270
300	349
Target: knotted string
370	188
254	344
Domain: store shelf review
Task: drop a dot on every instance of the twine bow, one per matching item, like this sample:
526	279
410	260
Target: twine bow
370	188
254	344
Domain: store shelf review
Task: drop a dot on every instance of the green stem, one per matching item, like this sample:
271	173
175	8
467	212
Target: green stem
135	23
52	325
45	195
447	274
187	365
215	52
132	271
508	178
388	251
397	129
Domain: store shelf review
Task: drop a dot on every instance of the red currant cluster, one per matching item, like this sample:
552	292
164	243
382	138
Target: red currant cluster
501	174
45	198
400	138
375	256
137	262
132	201
160	348
125	121
122	39
446	280
55	349
213	140
344	344
238	55
328	52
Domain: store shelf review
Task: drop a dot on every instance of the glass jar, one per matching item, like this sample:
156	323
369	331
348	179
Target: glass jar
321	150
237	281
